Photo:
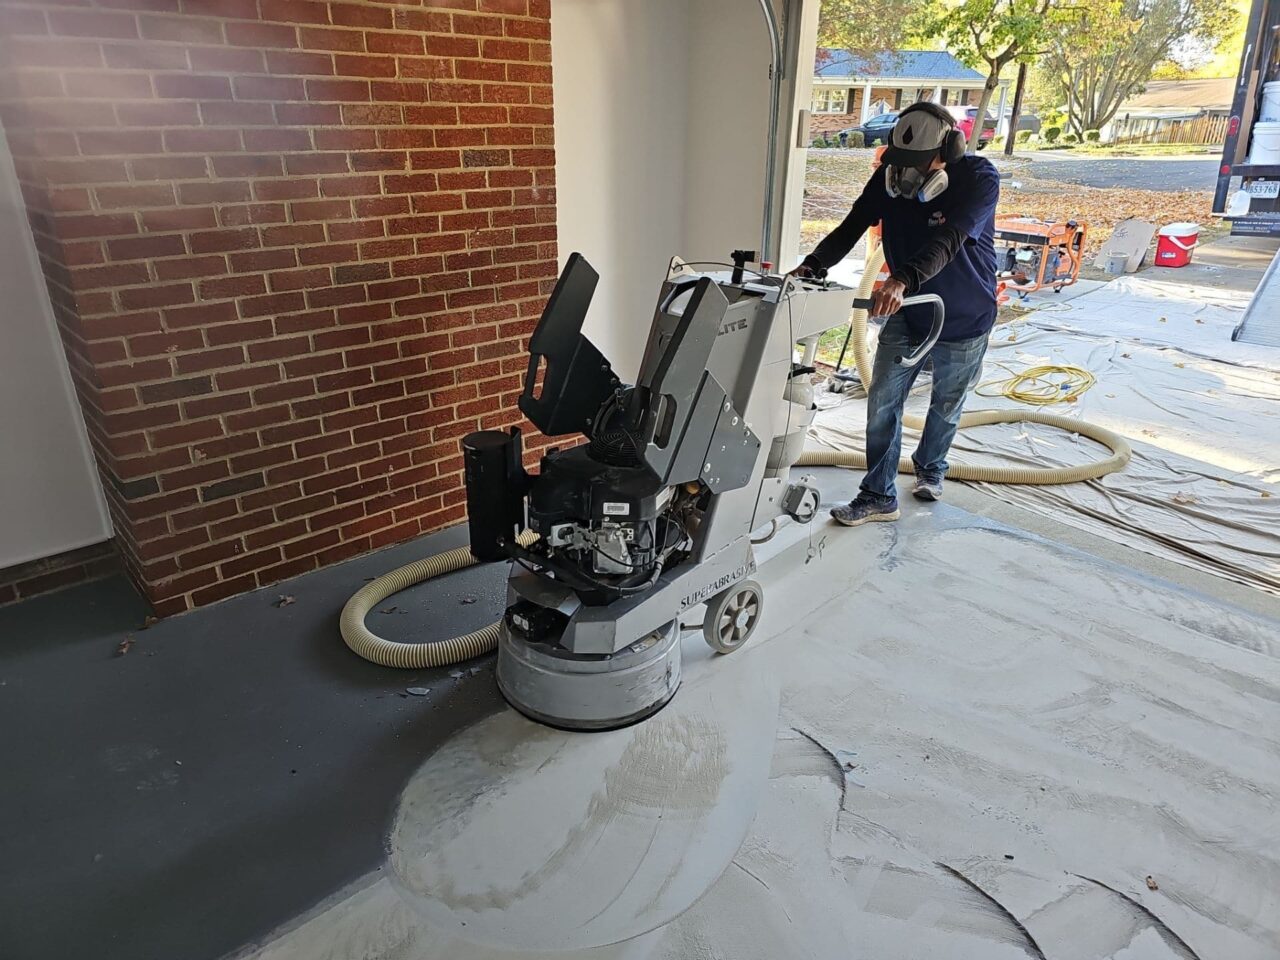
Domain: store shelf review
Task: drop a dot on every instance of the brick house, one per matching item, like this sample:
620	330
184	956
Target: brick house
849	89
291	251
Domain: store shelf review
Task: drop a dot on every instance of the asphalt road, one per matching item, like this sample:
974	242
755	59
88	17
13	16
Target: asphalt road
1146	173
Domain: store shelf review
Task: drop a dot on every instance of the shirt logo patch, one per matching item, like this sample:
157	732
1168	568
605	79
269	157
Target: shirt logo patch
937	218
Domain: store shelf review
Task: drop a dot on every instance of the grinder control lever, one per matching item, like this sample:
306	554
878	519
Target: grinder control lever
935	330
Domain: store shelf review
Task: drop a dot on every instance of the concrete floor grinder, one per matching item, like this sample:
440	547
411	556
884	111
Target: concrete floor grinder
653	514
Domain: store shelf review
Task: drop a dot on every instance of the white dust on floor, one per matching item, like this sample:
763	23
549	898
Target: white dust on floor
984	746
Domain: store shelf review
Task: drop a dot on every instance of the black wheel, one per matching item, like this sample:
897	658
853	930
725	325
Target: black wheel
732	616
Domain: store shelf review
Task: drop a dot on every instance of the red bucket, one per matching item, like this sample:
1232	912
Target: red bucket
1175	243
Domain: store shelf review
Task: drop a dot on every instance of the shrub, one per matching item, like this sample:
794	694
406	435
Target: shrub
1022	136
997	143
819	142
855	139
1051	134
1092	136
1071	138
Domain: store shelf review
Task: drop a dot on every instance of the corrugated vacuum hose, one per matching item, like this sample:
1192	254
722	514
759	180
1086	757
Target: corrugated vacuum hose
415	656
441	653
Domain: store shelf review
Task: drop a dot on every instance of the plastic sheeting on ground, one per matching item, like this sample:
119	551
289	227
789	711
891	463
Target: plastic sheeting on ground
1202	414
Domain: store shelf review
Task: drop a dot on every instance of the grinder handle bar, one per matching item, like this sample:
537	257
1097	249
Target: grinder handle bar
935	330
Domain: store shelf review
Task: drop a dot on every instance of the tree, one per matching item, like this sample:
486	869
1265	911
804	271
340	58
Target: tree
990	34
1101	52
866	30
1019	91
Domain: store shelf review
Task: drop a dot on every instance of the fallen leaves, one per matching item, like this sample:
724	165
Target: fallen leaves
1151	883
1183	499
125	646
834	180
285	600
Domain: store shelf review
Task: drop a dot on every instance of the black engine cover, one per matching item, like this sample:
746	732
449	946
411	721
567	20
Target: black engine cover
572	487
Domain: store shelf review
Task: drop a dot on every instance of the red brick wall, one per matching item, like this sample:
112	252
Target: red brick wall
295	249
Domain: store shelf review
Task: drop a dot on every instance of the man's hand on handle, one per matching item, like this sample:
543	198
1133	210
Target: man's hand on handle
888	299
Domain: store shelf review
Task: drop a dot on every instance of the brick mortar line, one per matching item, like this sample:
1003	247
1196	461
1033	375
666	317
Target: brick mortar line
350	408
222	20
453	476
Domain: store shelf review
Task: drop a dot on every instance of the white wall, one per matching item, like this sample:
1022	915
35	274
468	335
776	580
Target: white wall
621	96
661	115
50	496
727	128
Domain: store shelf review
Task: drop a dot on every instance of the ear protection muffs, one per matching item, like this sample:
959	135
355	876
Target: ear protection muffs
953	146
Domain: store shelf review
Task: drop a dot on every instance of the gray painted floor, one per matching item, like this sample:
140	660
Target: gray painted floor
236	766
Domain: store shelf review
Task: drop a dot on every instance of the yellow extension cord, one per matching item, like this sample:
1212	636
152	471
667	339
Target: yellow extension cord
440	653
1040	386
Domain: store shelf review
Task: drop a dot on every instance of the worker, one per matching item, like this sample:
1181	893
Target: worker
936	209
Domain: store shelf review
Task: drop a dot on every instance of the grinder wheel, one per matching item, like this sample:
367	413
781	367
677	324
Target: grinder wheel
732	616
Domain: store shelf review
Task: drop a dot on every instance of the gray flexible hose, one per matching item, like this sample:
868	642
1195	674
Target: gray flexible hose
442	653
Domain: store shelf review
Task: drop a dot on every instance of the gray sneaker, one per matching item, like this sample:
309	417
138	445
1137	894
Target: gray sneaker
867	508
927	487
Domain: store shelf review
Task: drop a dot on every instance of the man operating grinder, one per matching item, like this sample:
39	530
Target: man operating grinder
936	209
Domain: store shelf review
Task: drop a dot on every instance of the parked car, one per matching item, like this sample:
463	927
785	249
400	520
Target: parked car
1026	121
876	129
965	117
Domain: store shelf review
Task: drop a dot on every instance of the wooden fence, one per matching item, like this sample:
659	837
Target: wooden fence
1206	129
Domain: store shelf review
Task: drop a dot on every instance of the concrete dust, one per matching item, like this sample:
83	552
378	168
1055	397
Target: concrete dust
517	835
997	696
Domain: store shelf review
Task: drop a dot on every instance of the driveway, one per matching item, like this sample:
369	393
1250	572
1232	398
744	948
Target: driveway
1145	173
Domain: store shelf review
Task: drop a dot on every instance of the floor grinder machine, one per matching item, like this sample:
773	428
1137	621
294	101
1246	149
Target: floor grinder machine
653	515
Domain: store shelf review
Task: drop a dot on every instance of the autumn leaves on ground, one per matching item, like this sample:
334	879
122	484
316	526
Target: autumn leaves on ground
835	178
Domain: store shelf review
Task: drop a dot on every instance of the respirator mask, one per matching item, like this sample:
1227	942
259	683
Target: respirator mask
913	184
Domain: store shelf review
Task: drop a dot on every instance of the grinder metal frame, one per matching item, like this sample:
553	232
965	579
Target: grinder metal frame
715	375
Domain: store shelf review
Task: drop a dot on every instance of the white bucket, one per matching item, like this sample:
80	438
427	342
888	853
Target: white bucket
1270	101
1115	263
1265	148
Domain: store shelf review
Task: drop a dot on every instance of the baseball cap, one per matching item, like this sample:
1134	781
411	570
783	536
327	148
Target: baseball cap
918	136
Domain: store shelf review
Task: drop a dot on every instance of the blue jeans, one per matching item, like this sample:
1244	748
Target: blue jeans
956	367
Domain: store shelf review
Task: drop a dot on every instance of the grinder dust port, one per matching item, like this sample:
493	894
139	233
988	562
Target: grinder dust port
496	484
